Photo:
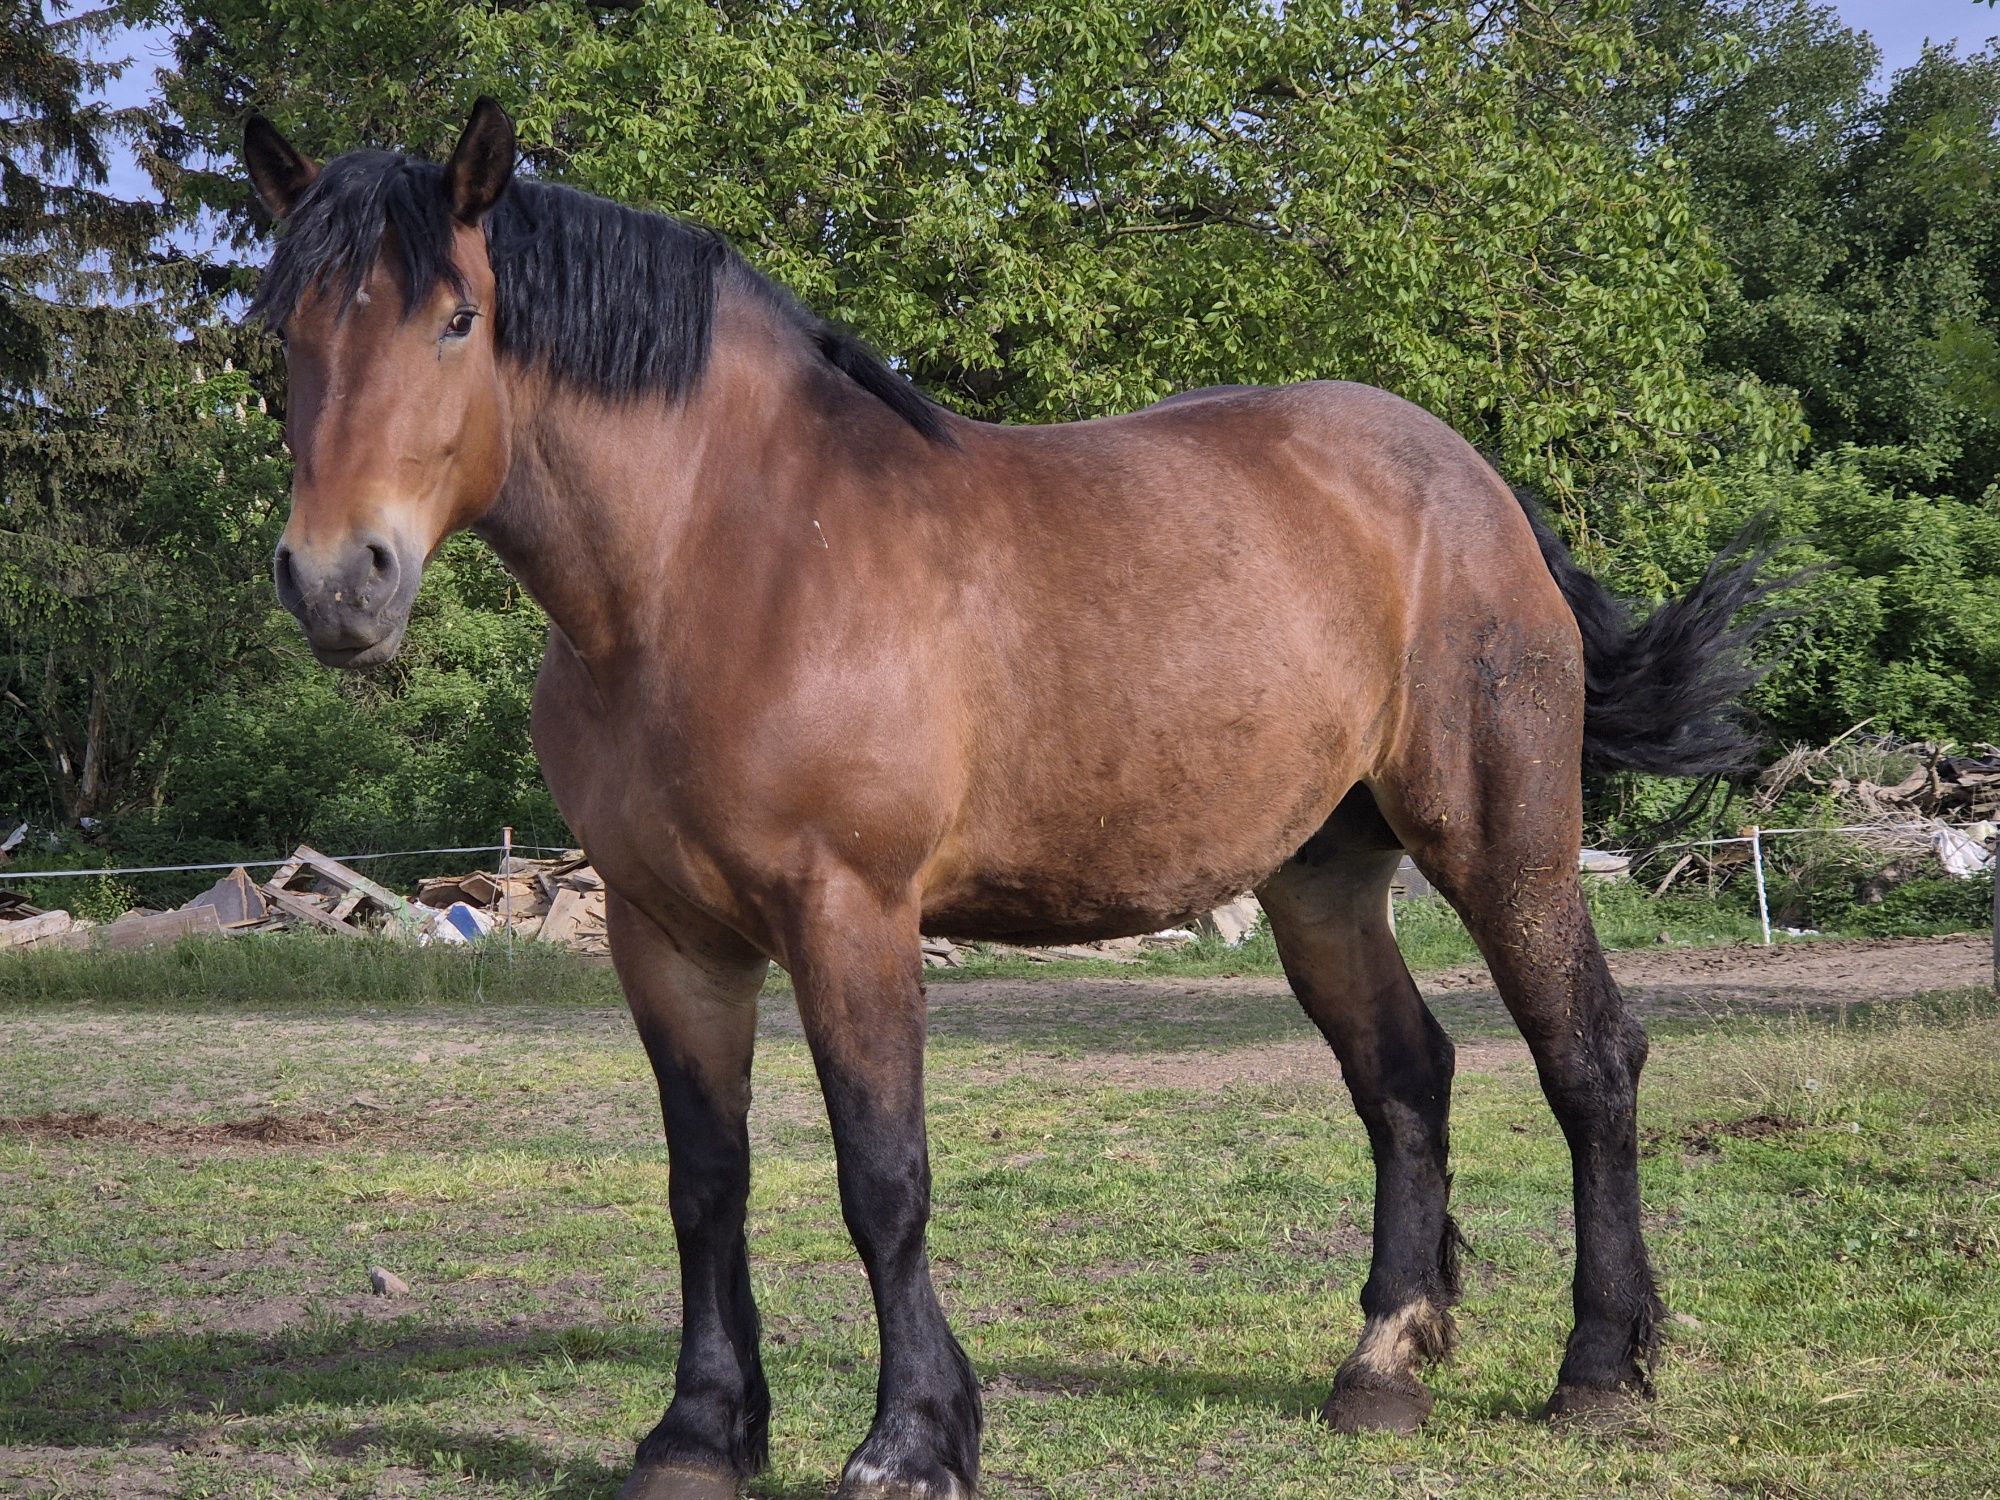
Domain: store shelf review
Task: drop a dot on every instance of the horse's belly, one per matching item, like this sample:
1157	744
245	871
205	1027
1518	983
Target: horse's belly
1116	867
1037	907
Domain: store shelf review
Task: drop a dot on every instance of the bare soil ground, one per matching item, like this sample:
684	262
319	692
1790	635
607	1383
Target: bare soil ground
314	1128
1662	984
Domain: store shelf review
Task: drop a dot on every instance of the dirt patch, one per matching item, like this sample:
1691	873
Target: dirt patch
1305	1063
135	1473
1705	1140
1006	1385
1210	1034
1815	975
312	1128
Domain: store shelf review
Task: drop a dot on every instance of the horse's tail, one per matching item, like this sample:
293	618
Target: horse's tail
1662	692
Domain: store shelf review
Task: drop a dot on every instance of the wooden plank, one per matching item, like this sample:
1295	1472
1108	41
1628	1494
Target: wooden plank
305	911
236	899
15	905
144	929
47	924
439	891
478	889
349	879
565	917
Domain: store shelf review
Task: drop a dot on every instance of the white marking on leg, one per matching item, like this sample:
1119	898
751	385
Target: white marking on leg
1393	1345
863	1472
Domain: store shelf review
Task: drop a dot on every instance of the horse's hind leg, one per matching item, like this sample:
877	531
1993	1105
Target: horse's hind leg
1488	801
1328	910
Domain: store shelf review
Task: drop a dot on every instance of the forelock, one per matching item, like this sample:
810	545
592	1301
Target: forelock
361	205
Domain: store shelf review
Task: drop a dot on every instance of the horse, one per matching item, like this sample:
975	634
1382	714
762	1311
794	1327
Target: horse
831	667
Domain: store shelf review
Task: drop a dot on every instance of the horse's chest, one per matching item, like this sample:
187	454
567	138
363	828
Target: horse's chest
621	778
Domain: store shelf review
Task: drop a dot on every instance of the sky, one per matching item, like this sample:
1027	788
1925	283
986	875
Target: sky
1900	29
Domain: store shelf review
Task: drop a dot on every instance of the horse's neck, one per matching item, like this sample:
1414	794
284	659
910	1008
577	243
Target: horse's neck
600	494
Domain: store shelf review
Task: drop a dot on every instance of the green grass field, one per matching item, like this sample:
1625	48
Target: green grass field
301	967
1150	1241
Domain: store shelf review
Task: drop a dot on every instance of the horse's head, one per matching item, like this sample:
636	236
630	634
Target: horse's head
397	415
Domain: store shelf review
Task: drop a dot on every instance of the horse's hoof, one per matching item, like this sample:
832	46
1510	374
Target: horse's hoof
1589	1408
1371	1408
675	1482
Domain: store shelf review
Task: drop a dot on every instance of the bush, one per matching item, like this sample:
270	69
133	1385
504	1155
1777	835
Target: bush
1903	630
1939	904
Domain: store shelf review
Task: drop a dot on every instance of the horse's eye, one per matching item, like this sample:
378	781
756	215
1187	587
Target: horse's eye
460	324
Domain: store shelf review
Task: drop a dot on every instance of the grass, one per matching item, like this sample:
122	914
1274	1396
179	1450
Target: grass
1154	1268
309	968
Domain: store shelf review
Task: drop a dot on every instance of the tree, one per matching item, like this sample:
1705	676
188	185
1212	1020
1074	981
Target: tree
61	234
1069	208
136	469
1860	231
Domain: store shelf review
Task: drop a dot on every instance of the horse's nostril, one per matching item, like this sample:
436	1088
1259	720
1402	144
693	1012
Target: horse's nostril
382	559
281	574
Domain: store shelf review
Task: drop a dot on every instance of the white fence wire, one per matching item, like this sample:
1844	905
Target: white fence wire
9	875
1755	838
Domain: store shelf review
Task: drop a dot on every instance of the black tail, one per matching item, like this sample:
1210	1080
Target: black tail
1662	693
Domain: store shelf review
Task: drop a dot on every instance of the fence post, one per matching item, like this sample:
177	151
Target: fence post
507	888
1757	862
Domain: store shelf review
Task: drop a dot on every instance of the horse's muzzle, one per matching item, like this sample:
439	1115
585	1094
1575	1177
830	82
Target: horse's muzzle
352	599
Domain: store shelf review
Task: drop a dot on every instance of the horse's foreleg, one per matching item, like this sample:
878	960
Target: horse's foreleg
694	998
1328	915
858	972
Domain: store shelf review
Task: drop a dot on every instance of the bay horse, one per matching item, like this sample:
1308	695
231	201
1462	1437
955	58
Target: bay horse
831	667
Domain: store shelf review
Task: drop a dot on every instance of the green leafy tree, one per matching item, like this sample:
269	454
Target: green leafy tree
1904	629
62	235
1063	209
432	749
137	481
1861	230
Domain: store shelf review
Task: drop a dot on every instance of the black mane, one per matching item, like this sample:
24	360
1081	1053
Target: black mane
606	298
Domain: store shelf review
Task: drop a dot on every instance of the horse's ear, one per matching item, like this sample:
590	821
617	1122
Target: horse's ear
278	170
483	163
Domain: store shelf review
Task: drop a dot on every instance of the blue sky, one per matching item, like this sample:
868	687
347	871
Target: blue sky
1900	29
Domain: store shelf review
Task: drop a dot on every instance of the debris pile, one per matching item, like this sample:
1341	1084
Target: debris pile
321	892
554	900
309	889
1944	784
23	924
1888	780
557	900
551	900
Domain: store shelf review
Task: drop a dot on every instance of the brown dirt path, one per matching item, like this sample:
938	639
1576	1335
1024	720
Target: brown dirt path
1210	1033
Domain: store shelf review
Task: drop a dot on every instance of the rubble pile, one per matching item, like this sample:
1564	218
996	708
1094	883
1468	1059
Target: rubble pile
558	900
1946	784
550	900
1893	781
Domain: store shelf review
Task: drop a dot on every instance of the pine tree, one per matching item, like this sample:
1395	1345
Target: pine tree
126	541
